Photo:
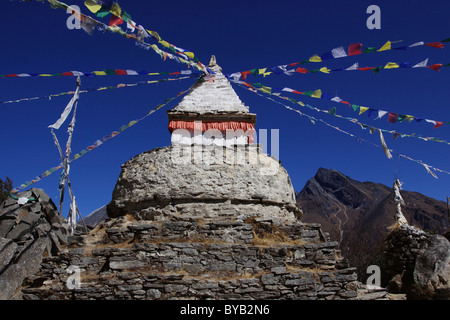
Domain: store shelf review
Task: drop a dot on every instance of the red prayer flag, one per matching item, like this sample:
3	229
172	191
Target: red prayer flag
392	117
365	68
298	92
68	74
244	74
354	48
301	70
435	66
438	124
121	72
439	45
115	21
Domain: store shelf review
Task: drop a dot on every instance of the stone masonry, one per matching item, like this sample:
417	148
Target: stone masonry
125	258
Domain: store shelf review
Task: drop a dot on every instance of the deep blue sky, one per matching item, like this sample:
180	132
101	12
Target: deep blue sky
243	35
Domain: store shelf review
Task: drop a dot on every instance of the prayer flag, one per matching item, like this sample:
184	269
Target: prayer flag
315	58
391	65
339	52
386	46
103	12
353	67
362	110
92	5
435	45
435	66
354	49
392	117
301	70
438	124
324	70
115	21
370	50
421	43
317	94
422	64
116	10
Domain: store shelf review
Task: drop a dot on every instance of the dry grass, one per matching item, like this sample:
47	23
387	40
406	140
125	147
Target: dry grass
394	226
270	235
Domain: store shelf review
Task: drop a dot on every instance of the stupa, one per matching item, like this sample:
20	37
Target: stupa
209	217
213	170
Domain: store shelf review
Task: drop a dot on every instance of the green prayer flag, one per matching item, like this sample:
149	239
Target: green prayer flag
110	72
377	69
103	12
126	16
355	107
370	50
446	40
332	111
308	93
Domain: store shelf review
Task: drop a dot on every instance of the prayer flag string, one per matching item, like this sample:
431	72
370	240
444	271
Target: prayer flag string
313	120
120	85
284	69
333	112
89	24
98	143
371	112
105	72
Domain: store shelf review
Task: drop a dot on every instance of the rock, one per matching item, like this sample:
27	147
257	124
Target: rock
26	231
432	269
7	250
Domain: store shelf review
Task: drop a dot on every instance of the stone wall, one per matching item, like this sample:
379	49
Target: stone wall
415	263
27	230
255	259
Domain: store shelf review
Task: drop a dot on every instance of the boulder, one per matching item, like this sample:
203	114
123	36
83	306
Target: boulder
27	230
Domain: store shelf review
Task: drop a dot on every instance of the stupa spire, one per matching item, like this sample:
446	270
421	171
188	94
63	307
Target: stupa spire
214	104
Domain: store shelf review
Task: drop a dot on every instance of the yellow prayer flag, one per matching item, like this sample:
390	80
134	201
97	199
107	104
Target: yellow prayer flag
409	118
315	58
44	75
165	43
262	71
363	109
189	54
153	74
317	94
301	103
324	70
386	46
92	5
155	34
100	73
391	65
116	10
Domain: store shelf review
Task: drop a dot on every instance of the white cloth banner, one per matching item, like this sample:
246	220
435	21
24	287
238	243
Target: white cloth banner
66	111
